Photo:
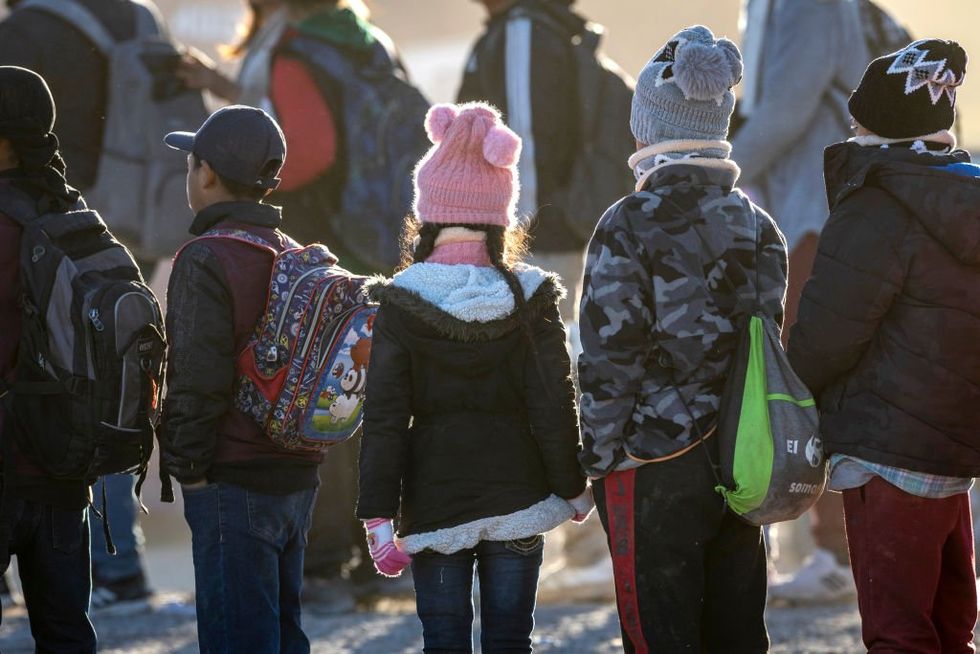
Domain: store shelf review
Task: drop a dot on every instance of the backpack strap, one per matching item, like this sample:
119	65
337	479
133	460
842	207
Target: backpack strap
148	22
75	14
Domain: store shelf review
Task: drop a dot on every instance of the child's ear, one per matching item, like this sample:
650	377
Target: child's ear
210	177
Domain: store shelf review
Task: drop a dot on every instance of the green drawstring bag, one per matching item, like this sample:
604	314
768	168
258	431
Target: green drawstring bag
771	463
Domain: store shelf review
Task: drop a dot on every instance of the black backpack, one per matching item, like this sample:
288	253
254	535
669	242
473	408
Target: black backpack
600	175
90	364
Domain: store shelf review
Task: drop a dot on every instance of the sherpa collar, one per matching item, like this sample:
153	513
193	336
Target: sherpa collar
465	302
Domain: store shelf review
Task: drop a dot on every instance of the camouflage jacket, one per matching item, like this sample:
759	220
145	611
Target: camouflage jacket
671	271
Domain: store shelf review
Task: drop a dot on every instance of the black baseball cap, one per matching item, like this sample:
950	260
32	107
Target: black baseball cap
240	143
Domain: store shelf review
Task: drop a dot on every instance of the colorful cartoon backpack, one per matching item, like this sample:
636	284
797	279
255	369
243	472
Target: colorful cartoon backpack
302	375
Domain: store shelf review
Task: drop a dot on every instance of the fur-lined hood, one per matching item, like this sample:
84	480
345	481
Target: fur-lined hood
464	302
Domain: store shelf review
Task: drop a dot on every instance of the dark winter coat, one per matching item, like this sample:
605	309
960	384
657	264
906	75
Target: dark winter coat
74	70
26	479
527	68
218	291
659	322
466	418
888	335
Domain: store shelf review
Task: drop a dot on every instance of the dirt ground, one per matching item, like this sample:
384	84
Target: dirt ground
169	628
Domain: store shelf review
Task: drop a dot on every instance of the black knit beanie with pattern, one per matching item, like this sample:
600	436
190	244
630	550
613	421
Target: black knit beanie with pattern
911	92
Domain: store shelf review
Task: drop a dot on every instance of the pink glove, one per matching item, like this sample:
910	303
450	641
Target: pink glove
388	559
583	505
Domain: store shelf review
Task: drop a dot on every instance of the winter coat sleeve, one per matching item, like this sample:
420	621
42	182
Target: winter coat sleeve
201	363
772	245
794	84
9	290
857	275
387	416
616	322
550	398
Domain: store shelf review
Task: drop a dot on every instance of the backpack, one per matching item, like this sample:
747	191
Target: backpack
90	364
771	464
382	124
302	376
139	187
882	33
600	175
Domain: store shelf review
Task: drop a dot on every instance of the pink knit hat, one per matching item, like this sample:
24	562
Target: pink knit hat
469	176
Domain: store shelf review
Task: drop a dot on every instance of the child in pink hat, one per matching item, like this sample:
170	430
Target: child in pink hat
470	427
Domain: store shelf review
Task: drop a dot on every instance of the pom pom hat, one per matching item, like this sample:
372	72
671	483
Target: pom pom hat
469	176
685	91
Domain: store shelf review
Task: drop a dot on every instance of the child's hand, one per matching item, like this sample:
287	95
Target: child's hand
388	559
583	505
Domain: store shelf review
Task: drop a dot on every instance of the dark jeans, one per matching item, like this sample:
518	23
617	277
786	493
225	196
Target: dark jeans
248	568
52	552
913	566
508	587
126	533
690	576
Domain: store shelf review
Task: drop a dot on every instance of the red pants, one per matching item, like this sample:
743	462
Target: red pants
913	565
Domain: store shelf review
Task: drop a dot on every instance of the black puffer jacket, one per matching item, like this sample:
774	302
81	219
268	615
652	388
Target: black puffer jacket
460	422
889	326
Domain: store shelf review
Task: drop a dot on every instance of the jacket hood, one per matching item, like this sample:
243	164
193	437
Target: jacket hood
340	27
934	188
466	302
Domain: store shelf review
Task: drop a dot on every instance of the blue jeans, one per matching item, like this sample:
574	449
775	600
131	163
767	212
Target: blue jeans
51	546
126	533
508	588
248	568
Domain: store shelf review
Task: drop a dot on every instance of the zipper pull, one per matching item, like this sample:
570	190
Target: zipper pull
93	316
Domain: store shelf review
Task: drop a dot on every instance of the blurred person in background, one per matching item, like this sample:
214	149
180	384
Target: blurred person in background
526	64
887	342
802	59
78	75
260	31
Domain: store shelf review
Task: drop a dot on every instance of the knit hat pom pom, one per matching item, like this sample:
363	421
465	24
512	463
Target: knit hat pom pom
705	71
502	147
438	120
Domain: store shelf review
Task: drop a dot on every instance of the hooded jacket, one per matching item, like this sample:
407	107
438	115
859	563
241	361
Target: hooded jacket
470	431
887	337
659	320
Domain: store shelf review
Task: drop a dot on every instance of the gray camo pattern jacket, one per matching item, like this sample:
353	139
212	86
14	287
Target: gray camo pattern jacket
672	269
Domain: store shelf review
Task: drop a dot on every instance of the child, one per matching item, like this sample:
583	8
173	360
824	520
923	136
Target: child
887	341
43	521
470	431
672	271
246	500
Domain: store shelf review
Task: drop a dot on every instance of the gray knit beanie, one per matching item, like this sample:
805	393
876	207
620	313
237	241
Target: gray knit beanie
685	91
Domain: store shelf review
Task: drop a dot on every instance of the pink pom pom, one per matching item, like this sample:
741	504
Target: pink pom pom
438	120
502	147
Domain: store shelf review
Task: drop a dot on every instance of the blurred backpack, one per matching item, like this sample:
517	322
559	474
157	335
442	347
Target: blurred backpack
600	175
882	33
303	374
89	375
140	185
382	125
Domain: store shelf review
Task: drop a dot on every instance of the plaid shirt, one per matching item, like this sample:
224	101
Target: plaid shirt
851	472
